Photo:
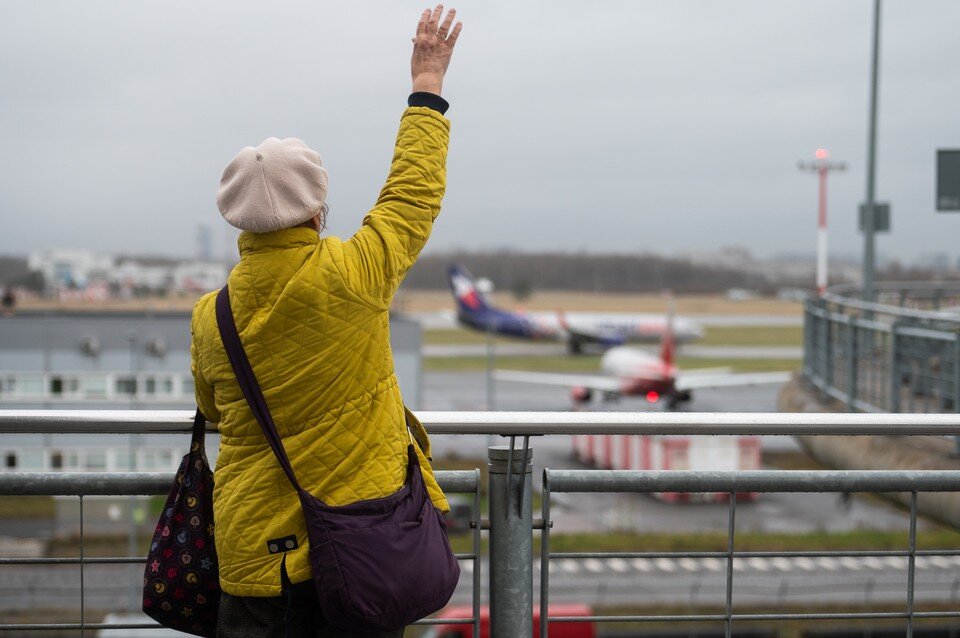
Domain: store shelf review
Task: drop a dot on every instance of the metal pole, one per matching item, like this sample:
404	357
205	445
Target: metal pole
956	388
869	258
851	363
511	544
822	232
894	380
491	363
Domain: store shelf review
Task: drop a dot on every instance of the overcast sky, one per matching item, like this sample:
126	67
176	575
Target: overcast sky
673	126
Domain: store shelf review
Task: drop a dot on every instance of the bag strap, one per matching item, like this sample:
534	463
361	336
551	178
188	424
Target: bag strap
248	383
199	430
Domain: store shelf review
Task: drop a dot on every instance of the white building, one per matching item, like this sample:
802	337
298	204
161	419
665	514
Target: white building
199	276
71	268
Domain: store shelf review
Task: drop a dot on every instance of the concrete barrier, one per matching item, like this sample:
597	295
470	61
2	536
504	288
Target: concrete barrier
877	452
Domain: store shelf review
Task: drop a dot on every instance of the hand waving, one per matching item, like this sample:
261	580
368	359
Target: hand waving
432	48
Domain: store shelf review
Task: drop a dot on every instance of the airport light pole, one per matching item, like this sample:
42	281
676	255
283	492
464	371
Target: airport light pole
822	167
870	215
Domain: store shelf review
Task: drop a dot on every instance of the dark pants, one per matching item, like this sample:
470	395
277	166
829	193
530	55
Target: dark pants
250	617
295	614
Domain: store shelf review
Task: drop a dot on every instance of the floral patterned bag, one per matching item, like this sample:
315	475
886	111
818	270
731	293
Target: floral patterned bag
181	581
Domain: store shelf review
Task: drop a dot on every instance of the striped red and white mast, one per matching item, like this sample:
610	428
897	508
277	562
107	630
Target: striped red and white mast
822	167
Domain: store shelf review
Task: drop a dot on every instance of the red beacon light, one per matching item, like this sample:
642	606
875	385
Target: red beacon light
821	154
653	397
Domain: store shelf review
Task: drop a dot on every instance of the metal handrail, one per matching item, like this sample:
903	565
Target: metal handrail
523	423
510	523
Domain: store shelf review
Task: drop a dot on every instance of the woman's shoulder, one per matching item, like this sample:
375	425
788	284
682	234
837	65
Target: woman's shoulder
205	307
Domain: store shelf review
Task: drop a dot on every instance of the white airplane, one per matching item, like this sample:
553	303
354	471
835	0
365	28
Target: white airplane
576	328
632	372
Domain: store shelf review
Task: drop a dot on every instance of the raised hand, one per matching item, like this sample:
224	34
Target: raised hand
432	48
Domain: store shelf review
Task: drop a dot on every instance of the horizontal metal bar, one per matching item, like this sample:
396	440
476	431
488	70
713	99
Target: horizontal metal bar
133	560
119	560
118	626
753	481
103	560
752	617
894	311
523	423
660	618
149	483
826	553
927	333
66	626
837	616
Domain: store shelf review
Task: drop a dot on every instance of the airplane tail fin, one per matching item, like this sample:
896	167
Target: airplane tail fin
668	343
469	298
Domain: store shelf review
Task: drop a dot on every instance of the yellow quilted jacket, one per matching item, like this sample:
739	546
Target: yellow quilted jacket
313	318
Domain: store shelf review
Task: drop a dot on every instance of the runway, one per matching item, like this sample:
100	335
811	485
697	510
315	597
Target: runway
447	319
521	349
773	513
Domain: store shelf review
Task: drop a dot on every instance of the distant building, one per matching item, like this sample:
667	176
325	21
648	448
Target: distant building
89	275
70	268
119	360
199	276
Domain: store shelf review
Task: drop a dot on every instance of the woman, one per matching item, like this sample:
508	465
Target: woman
312	313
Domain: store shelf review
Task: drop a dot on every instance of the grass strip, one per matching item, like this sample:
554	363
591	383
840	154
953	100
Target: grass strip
27	507
752	336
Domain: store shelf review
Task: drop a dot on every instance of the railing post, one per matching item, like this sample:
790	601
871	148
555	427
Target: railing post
828	351
895	386
851	363
956	387
511	543
808	341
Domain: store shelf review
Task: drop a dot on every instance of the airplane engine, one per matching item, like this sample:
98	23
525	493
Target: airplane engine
579	394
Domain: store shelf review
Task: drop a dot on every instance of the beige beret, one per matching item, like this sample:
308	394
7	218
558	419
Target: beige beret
278	184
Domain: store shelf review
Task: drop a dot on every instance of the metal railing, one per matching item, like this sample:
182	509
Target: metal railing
510	522
900	354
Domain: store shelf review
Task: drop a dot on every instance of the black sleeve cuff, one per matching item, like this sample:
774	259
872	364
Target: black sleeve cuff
429	100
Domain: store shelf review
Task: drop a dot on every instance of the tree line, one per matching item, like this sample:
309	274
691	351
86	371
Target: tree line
524	272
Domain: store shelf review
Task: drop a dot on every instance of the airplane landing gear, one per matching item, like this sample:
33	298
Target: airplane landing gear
673	403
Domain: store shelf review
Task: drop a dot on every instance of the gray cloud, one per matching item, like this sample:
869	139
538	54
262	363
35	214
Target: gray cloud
622	126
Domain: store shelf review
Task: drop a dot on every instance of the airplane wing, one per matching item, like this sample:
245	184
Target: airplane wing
684	382
594	382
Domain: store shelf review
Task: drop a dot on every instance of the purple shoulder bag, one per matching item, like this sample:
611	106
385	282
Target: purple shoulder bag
379	564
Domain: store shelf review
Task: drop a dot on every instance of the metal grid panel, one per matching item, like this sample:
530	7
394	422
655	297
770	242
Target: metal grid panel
733	483
886	357
158	484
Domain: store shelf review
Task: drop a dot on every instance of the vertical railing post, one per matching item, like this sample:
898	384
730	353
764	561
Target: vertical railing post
894	380
828	351
808	322
511	543
851	363
956	386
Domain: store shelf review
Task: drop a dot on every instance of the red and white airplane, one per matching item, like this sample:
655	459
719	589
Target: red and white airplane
632	372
